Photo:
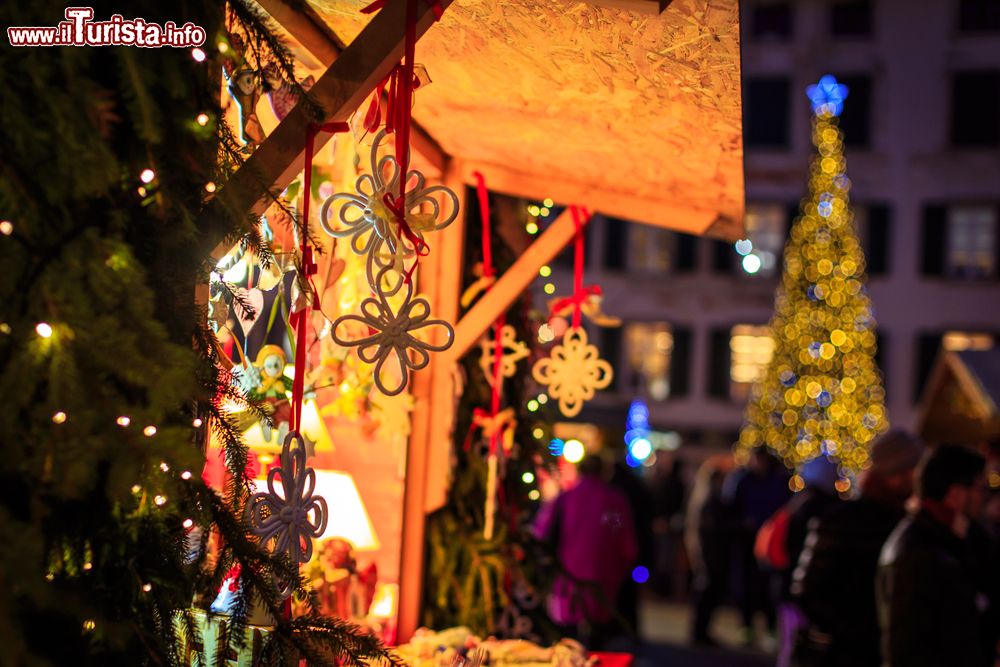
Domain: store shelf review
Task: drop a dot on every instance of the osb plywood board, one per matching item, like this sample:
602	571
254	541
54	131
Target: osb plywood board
637	113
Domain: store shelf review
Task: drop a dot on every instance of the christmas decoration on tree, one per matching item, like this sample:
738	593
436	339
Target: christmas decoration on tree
110	373
821	394
574	371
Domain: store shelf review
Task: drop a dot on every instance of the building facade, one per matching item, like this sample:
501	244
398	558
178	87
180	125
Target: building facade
922	134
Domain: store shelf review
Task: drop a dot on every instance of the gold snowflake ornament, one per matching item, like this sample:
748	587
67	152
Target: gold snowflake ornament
574	372
513	351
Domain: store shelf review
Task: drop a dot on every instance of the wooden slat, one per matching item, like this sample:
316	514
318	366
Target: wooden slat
718	223
341	90
511	284
317	38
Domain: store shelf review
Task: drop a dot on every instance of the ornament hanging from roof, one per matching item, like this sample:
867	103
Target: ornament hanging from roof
574	371
512	351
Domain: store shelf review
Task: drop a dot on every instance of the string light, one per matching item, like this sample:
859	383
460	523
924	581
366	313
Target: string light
141	190
545	211
528	477
43	330
147	176
202	119
573	451
534	494
164	466
549	288
543	399
198	54
197	422
4	328
6	227
89	625
531	228
160	501
187	523
59	417
149	431
538	432
136	489
123	421
210	187
88	566
548	203
534	210
545	271
223	47
532	405
147	587
186	475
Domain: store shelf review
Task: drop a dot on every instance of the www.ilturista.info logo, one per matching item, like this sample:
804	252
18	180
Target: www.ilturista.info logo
80	30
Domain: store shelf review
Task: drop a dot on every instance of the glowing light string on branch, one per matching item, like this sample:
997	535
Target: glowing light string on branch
574	371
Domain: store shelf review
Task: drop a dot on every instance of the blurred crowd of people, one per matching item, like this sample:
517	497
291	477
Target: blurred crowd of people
899	571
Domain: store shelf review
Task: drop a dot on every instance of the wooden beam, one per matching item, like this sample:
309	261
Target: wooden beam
339	91
726	222
511	284
316	37
427	457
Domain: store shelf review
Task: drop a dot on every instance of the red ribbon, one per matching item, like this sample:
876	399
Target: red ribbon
299	319
581	216
401	83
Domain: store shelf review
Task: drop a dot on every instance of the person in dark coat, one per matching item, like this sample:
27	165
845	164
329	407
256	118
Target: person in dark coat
706	536
930	608
754	493
834	581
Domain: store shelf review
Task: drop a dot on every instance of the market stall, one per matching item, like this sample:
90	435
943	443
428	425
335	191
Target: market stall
627	108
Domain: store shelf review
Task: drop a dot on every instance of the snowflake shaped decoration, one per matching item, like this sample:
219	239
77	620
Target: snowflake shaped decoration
365	217
513	351
393	336
288	518
574	372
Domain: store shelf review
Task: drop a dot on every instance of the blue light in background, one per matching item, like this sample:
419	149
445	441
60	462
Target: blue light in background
640	574
827	96
556	447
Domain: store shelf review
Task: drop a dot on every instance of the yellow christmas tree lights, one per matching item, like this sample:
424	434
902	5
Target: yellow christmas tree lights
822	392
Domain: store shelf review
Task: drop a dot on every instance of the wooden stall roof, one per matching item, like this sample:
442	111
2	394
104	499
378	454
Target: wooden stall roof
633	113
960	403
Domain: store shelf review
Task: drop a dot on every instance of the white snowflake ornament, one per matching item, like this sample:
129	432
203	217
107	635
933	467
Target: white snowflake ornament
366	216
574	371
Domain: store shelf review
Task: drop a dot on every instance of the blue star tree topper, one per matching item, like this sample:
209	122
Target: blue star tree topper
827	96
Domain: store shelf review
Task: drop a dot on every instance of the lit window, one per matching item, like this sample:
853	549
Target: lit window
971	241
648	346
648	248
958	341
751	348
765	225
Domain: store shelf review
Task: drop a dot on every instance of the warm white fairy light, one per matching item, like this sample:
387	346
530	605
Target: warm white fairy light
164	466
136	489
147	176
88	566
202	119
123	421
147	587
149	431
210	187
43	329
160	501
141	190
89	625
6	227
197	423
186	474
198	55
187	523
59	417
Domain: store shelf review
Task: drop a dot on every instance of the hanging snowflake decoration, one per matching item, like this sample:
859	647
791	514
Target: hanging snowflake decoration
366	217
513	351
288	518
574	372
393	334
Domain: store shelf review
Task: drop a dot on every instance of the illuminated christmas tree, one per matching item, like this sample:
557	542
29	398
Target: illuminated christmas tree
822	392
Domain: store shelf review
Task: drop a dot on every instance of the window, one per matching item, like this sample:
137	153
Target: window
750	350
872	222
979	16
771	20
971	242
855	120
960	241
766	116
648	347
851	18
648	248
959	341
767	226
614	244
975	108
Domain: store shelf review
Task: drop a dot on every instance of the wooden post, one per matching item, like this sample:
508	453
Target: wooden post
427	457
